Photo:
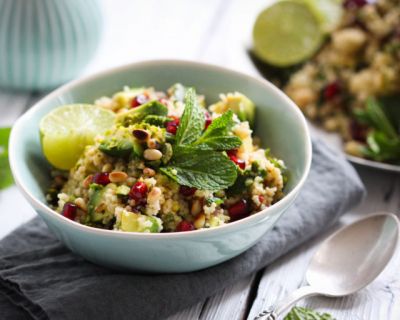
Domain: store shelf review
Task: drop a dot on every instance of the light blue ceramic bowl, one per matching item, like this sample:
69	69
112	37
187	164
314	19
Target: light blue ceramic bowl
279	123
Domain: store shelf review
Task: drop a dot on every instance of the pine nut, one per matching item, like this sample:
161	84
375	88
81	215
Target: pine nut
140	134
153	144
117	176
107	168
196	207
87	181
200	221
152	154
149	172
81	203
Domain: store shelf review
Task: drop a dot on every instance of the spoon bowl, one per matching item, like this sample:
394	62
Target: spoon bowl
347	261
354	256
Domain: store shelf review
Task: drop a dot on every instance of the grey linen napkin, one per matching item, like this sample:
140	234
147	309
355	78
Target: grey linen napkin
40	278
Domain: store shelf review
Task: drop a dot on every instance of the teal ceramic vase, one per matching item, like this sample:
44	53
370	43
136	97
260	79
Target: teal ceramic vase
44	43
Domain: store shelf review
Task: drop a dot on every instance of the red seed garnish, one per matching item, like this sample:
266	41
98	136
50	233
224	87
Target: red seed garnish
187	191
101	178
172	126
184	226
69	210
353	4
332	90
139	100
261	199
208	120
138	191
239	210
239	162
358	131
232	152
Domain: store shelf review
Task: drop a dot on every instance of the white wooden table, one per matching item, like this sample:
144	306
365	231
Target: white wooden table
218	32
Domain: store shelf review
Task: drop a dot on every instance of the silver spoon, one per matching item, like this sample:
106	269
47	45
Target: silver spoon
347	261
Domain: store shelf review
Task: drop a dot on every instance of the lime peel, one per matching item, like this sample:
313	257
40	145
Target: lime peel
67	130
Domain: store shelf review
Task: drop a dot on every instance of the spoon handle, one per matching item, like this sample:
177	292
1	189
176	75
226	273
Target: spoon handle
274	312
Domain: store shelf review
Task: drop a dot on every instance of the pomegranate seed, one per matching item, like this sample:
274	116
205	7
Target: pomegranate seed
172	126
358	132
261	199
239	162
101	178
331	90
138	191
139	100
69	210
353	4
187	191
232	152
208	120
184	226
239	210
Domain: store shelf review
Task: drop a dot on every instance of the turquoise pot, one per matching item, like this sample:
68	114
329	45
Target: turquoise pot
279	124
44	43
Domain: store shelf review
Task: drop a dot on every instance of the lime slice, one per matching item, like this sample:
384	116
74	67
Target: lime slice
286	33
328	12
68	129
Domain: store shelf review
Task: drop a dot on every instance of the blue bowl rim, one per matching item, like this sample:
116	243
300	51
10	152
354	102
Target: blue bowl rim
229	227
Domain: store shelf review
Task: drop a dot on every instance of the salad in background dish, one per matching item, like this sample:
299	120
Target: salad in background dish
348	83
150	161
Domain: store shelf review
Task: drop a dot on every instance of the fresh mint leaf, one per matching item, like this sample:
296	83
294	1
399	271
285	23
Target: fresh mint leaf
217	135
192	121
209	170
299	313
6	178
379	119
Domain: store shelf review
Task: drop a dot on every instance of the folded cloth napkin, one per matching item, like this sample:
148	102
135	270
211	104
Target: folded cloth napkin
41	279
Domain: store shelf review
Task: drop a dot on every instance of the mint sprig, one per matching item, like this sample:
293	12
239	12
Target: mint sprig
217	136
299	313
6	178
192	121
209	170
197	159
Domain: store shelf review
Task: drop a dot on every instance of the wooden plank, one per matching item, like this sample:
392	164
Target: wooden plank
231	303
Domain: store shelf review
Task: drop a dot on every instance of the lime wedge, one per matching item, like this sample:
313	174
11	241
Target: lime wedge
328	12
66	131
287	33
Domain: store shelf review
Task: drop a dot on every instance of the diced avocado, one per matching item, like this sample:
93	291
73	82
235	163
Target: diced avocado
134	222
156	120
137	148
138	114
95	198
119	148
242	106
167	153
123	190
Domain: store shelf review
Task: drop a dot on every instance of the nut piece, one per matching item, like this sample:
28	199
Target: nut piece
153	144
87	181
196	207
81	203
140	134
107	168
200	221
117	176
152	154
149	172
